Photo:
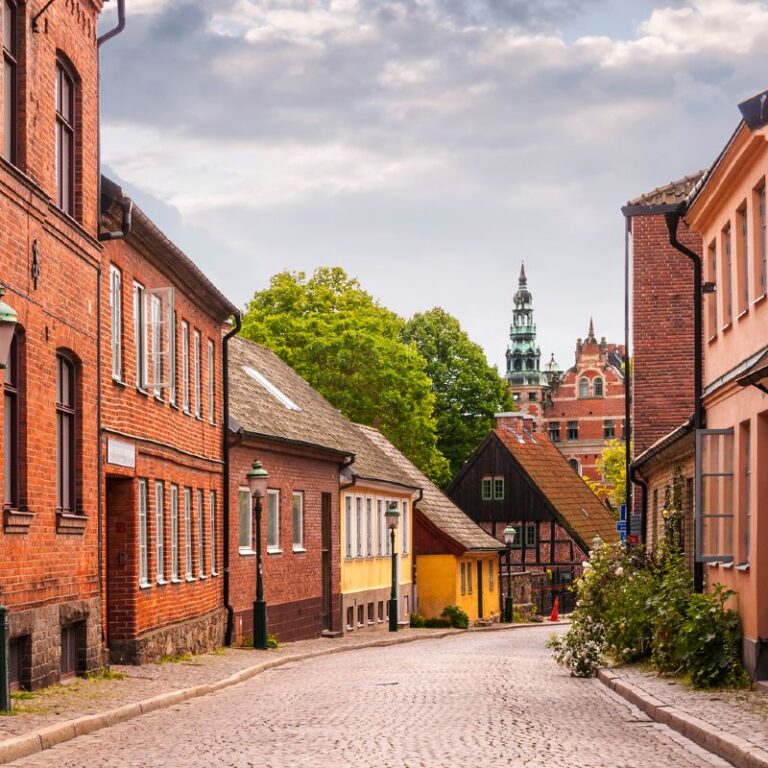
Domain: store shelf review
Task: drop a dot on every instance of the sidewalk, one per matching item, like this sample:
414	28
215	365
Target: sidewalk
732	724
52	715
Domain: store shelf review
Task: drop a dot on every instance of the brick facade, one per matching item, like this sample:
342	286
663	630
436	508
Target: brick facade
50	270
299	604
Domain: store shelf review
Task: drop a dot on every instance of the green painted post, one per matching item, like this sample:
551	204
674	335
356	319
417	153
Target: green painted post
5	661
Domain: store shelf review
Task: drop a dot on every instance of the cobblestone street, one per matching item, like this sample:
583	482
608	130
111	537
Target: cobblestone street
479	699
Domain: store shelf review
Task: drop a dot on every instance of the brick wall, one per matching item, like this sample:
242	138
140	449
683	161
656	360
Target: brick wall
292	579
662	331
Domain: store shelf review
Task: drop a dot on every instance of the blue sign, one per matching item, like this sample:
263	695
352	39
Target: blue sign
623	512
621	526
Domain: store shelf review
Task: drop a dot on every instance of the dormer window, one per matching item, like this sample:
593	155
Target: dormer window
65	138
584	387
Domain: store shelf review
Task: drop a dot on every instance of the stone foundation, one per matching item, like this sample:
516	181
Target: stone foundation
356	601
198	635
37	632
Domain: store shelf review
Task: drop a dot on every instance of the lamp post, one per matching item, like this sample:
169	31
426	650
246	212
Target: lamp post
8	321
393	518
509	540
257	483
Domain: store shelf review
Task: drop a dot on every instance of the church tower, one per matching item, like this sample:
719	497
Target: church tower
526	380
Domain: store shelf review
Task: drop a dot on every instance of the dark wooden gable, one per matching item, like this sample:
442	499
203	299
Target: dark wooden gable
430	540
522	502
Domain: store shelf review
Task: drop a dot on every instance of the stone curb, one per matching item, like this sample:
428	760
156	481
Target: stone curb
28	744
736	750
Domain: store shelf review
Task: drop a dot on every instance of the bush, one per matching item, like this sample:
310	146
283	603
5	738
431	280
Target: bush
456	616
435	623
581	648
272	641
417	620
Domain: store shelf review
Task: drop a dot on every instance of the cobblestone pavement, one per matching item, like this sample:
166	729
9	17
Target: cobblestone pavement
475	699
741	713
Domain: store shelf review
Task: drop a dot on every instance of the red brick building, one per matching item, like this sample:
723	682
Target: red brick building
162	443
586	408
302	441
50	258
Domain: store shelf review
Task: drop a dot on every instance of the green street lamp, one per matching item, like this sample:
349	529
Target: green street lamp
8	322
257	483
510	533
392	516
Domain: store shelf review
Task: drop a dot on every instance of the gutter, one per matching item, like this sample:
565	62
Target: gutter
225	495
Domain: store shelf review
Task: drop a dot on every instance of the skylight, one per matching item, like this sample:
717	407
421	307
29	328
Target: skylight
271	388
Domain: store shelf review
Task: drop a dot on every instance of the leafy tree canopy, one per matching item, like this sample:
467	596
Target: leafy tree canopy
350	348
468	391
612	465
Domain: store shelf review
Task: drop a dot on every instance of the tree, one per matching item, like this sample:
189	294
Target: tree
468	391
349	348
611	464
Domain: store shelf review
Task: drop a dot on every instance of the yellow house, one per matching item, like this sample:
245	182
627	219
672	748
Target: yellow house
368	486
456	560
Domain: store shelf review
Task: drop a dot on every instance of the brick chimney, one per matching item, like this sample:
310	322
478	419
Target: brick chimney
515	421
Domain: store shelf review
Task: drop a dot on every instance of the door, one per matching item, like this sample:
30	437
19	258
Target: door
327	576
479	589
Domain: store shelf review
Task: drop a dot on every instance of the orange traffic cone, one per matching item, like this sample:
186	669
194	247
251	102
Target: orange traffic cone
555	610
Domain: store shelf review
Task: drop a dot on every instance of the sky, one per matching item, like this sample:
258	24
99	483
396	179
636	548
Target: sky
428	147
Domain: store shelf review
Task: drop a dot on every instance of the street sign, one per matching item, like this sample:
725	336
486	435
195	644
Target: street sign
633	538
623	512
621	526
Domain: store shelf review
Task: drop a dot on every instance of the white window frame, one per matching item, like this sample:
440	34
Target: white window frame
213	522
486	488
160	531
273	547
172	361
491	574
245	521
348	526
116	308
185	366
719	519
358	526
174	532
382	528
201	533
463	578
188	559
369	526
387	534
156	342
196	371
405	530
211	382
139	334
298	522
143	534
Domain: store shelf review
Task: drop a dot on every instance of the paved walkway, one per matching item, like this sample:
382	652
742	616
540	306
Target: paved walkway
473	698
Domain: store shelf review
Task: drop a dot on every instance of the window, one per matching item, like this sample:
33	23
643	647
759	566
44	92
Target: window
746	518
573	430
463	570
211	383
382	525
575	466
492	488
10	80
360	615
298	521
159	533
370	613
72	649
11	427
174	533
380	611
359	526
531	534
172	360
405	532
245	520
273	521
156	337
469	578
185	366
487	488
715	490
350	617
609	429
761	238
727	281
200	534
498	488
188	534
369	525
65	138
196	374
491	573
143	535
532	397
597	385
116	311
212	504
516	536
584	387
66	459
712	278
554	431
742	257
139	333
348	526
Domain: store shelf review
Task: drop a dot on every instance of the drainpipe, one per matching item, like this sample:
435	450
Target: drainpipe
127	205
627	385
672	219
225	494
634	478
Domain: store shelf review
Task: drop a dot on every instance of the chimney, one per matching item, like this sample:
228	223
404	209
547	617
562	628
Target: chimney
515	421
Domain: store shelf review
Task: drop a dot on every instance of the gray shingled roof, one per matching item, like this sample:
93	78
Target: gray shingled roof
258	411
669	194
435	505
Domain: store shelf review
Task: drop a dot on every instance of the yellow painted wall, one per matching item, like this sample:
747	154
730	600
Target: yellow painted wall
469	601
373	571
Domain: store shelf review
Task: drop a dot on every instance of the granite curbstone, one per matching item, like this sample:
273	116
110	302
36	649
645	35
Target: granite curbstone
19	747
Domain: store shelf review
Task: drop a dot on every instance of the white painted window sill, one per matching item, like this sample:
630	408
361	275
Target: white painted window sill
743	567
299	549
274	551
244	551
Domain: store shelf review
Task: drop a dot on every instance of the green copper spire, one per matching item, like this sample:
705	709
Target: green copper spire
523	353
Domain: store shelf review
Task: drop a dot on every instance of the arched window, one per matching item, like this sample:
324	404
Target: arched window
584	387
517	365
66	459
574	465
529	364
597	386
66	85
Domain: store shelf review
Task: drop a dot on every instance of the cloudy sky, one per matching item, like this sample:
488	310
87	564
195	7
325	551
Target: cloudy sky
426	146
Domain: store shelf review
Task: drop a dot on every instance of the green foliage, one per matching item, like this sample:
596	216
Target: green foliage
632	606
417	620
456	616
350	348
272	641
468	391
436	622
612	465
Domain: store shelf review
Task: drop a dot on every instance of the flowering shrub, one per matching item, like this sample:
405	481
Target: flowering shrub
581	648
